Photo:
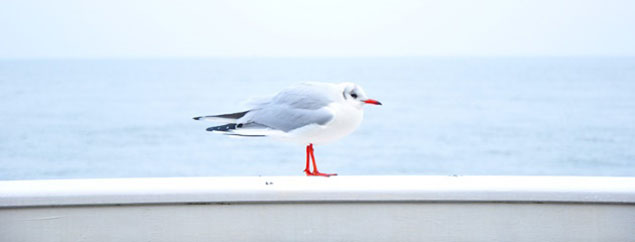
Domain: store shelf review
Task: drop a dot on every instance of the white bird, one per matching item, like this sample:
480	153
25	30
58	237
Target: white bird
308	113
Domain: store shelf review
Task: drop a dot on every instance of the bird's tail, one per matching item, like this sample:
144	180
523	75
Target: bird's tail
235	128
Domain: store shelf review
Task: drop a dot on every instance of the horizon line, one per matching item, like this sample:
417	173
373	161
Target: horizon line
43	58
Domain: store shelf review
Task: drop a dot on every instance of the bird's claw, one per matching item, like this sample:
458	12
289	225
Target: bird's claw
317	173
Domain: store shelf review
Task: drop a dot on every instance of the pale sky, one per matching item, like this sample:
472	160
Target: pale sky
265	28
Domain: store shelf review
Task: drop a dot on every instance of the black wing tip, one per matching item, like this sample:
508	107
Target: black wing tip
223	128
227	116
215	129
233	115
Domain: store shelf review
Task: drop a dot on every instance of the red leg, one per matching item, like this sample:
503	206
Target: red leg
306	170
315	169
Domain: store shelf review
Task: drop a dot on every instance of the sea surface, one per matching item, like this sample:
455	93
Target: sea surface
441	116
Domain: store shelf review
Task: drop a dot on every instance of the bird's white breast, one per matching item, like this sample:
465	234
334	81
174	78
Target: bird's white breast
346	119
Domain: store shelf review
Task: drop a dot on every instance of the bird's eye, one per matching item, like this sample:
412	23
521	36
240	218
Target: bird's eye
354	95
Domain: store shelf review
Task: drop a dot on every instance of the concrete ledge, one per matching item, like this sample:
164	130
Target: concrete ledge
317	189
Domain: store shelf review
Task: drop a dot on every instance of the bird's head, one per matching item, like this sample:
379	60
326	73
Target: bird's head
355	95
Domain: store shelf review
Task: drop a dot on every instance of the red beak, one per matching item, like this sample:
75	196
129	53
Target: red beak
372	101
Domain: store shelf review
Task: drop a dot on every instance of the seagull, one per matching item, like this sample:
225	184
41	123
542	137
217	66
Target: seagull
308	113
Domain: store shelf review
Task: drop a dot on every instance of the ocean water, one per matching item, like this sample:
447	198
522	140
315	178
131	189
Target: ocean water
441	116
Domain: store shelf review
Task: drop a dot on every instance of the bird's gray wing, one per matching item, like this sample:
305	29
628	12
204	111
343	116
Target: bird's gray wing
294	107
306	95
286	118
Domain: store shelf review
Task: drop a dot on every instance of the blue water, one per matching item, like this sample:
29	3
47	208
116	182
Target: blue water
442	116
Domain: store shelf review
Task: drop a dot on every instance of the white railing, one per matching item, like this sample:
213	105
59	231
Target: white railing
292	189
346	208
